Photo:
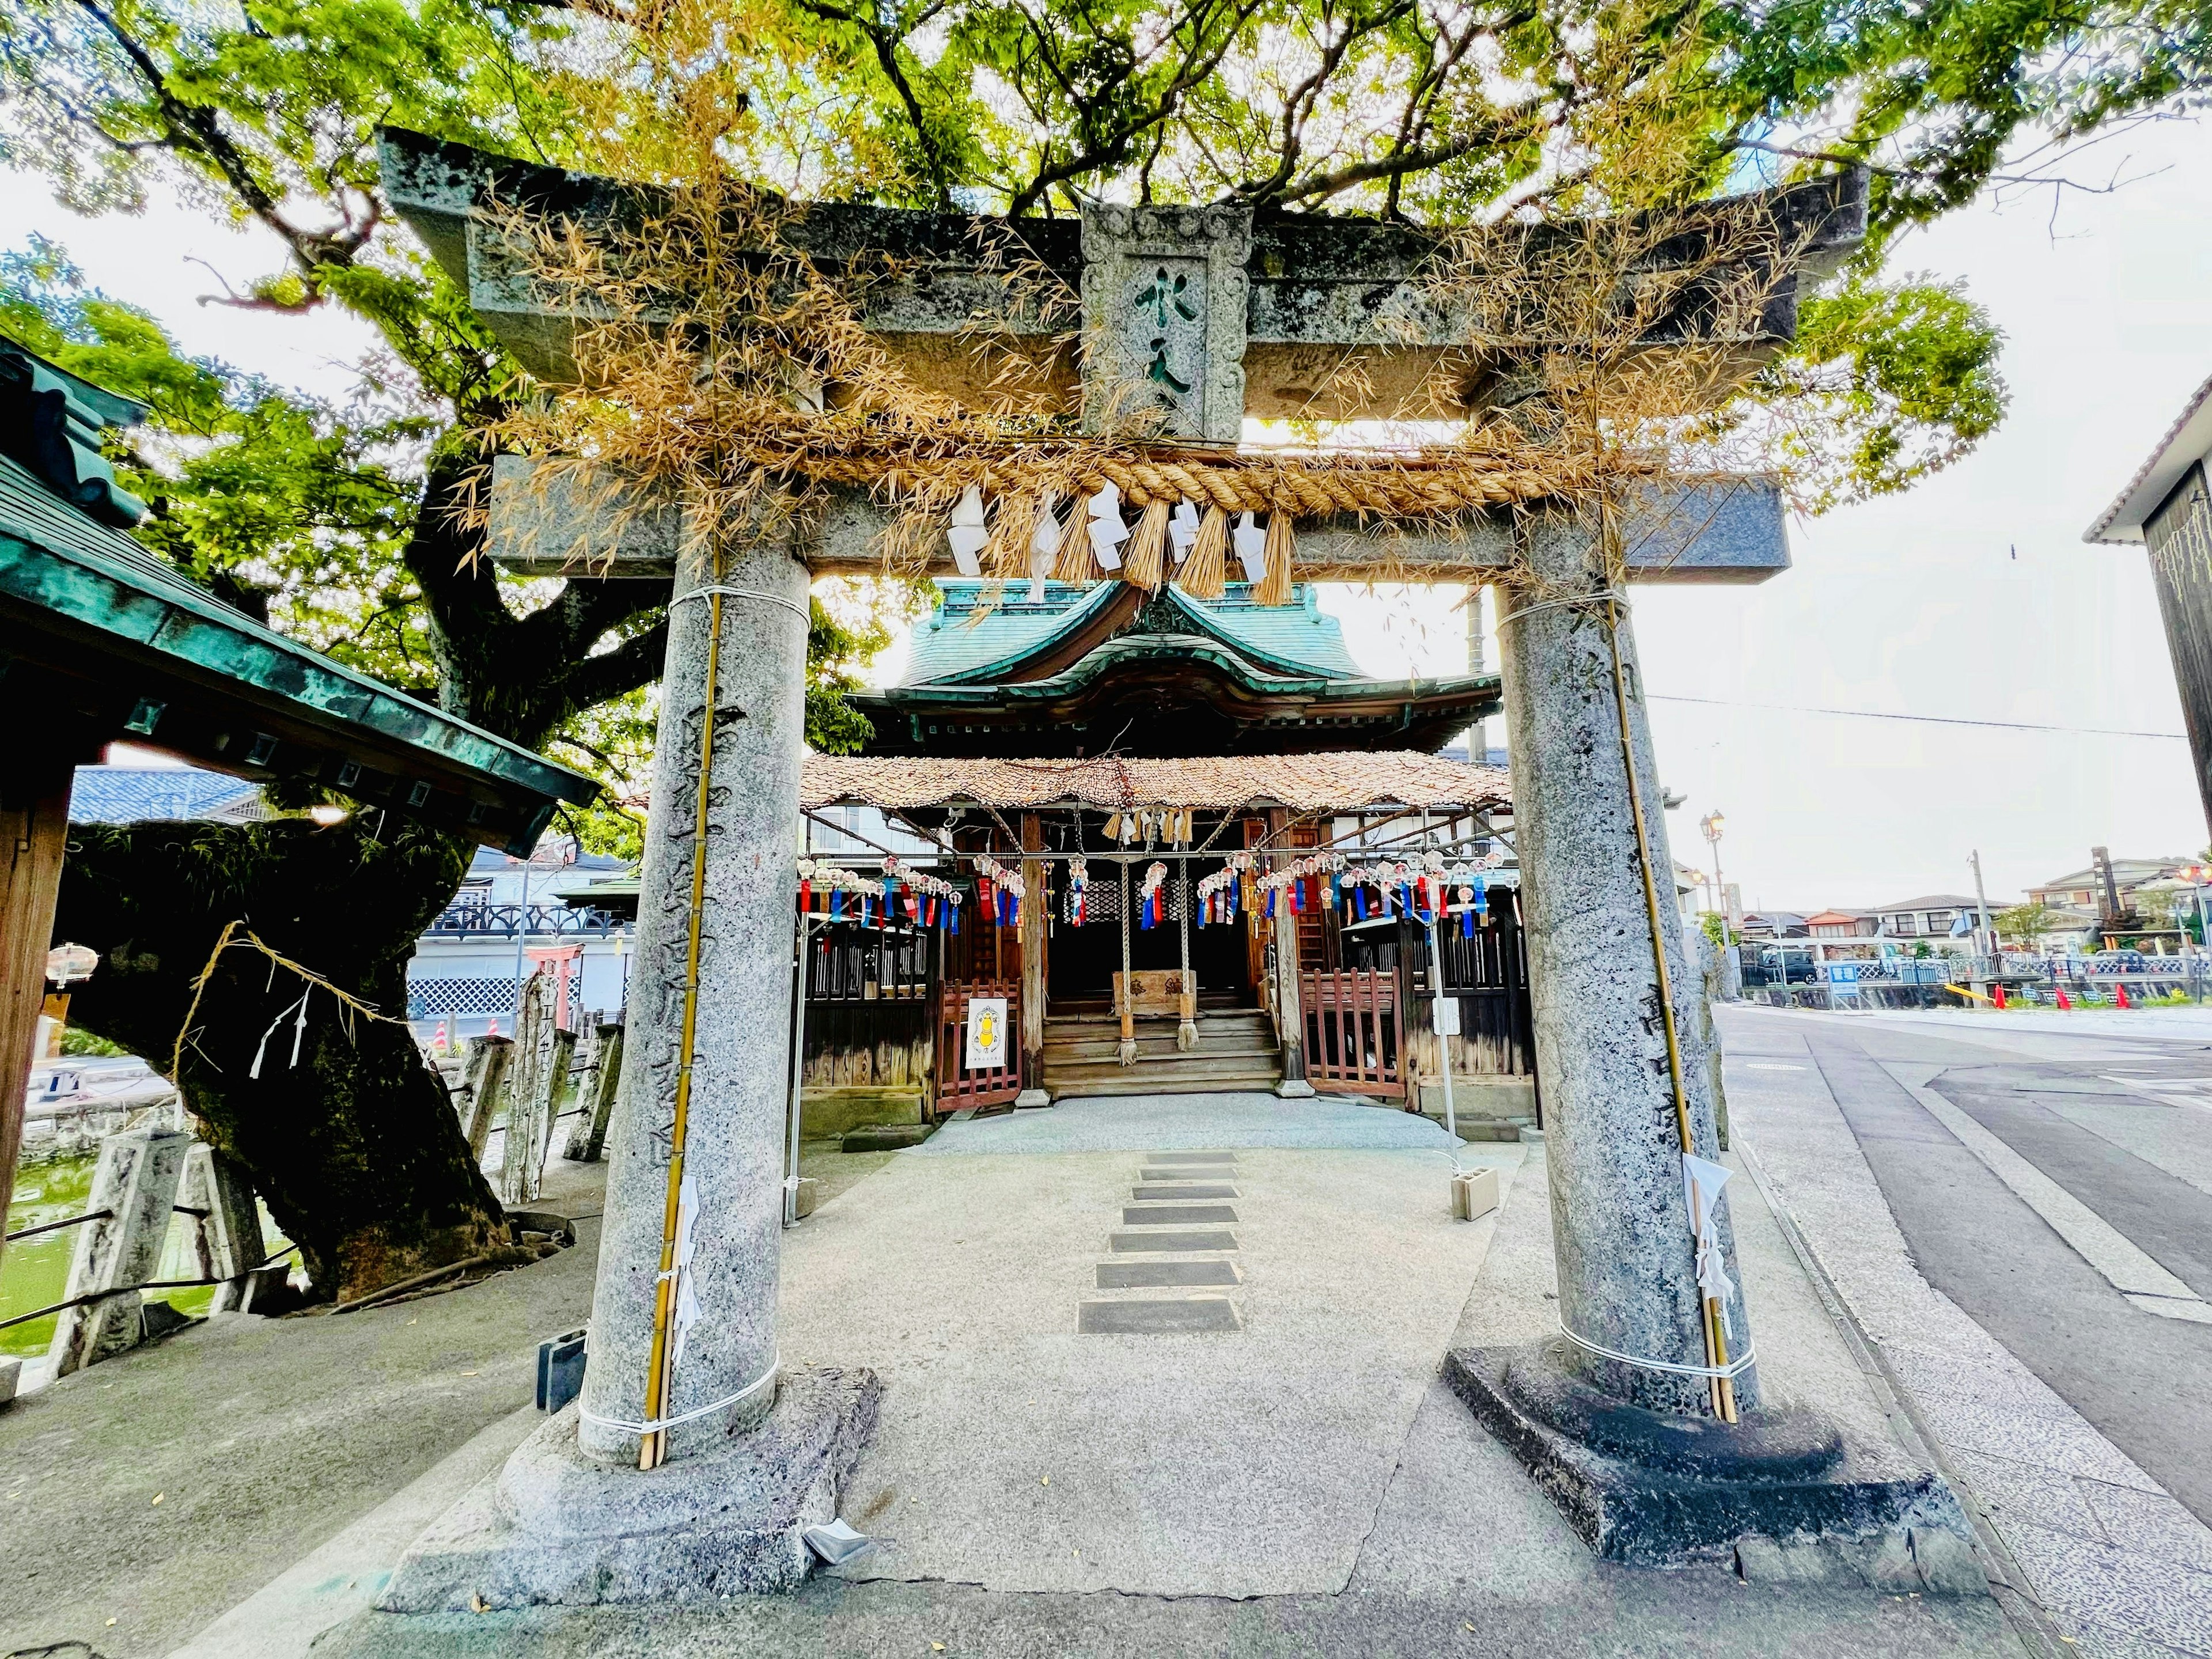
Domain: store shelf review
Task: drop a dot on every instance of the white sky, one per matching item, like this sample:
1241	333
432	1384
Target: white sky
1914	604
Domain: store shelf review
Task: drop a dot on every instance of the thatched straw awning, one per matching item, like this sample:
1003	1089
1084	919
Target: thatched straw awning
1303	783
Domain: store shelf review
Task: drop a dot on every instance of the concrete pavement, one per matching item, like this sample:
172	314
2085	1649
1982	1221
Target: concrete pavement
1302	1484
1299	1483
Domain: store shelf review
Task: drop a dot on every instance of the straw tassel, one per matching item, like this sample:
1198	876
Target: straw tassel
1203	576
1007	553
1141	560
1276	590
1075	562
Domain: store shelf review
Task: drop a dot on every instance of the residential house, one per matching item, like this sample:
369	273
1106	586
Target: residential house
1931	915
1771	925
2166	509
509	917
2079	895
1842	924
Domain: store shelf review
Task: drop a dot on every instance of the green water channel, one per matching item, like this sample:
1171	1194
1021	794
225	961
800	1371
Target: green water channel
35	1271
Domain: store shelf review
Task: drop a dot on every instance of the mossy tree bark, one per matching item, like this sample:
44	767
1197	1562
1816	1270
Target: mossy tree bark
355	1147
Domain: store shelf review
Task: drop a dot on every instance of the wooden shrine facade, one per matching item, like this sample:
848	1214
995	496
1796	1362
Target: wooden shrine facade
1342	990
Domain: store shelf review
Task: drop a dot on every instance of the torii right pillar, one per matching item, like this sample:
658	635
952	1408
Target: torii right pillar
1615	1421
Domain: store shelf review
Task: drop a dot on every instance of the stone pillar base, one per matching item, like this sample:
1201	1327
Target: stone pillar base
1029	1098
1658	1490
554	1527
1294	1088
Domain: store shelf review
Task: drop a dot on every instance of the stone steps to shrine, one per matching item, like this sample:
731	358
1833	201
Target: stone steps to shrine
1237	1051
1167	1074
1156	1038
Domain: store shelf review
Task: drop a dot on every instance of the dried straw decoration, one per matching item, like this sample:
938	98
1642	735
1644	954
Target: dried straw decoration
1202	576
1141	560
1007	553
1078	561
1276	588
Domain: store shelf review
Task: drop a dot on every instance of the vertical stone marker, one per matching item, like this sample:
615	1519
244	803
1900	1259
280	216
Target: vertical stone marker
755	1453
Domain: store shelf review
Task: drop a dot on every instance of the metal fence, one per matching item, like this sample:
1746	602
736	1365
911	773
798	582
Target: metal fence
467	921
2108	979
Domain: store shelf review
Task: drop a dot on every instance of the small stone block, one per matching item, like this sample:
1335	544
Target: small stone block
1166	1243
1181	1192
1176	1215
11	1375
805	1198
1473	1194
1160	1275
1947	1563
1182	1315
887	1136
1294	1088
1029	1099
1886	1562
1790	1561
1191	1172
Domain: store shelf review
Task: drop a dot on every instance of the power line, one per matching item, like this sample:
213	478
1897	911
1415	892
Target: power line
1926	719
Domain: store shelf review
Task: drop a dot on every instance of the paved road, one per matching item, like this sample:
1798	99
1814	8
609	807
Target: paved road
2116	1118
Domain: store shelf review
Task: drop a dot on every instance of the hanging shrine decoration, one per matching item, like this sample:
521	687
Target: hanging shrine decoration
929	899
1078	910
1001	890
1220	895
1169	824
1425	891
920	898
1151	903
1287	884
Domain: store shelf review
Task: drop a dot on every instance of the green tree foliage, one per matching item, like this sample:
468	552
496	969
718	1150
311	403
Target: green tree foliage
1408	108
2024	924
1887	383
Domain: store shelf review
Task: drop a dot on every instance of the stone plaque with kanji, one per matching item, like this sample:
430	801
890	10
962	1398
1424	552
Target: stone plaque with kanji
1165	298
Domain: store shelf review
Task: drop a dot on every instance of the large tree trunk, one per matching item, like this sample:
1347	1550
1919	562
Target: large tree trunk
355	1147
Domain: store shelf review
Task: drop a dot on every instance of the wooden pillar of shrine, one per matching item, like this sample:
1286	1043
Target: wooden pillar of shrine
35	799
1037	902
1290	1015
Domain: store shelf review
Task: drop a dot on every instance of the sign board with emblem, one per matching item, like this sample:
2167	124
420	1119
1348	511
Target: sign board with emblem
986	1034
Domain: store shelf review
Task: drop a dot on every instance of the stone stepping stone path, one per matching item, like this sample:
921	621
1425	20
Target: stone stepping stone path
1168	1241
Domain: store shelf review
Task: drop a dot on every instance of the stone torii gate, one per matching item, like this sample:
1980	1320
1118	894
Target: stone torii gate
1215	319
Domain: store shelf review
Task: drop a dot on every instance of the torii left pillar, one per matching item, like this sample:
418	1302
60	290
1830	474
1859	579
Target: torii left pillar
754	1451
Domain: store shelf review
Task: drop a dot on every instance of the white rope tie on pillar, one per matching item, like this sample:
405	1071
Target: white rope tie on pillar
659	1424
727	591
1735	1367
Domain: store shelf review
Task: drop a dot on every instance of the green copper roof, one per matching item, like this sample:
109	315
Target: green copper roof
86	607
966	642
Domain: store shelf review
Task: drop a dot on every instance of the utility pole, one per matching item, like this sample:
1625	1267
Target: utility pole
1988	933
1713	823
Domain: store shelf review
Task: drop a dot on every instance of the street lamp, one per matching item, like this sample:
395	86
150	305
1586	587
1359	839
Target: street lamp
1713	823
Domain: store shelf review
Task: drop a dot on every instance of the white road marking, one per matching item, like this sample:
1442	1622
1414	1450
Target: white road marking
2130	1271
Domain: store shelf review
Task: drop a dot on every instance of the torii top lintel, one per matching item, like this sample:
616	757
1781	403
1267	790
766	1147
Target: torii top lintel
1212	315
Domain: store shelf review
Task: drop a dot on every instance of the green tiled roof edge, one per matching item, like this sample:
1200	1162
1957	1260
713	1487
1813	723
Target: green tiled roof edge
1327	659
65	563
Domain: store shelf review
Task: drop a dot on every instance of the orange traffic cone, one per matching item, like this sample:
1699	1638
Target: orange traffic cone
2120	997
492	1030
2064	1001
1996	995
